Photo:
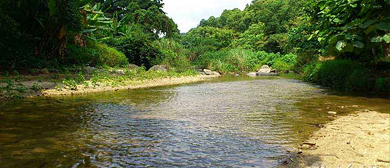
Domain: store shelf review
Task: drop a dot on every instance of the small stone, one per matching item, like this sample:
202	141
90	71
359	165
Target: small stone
252	74
366	110
332	112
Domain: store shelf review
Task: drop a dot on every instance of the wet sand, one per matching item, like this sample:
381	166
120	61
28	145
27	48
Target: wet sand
361	139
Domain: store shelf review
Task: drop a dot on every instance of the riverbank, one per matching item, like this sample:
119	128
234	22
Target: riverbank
357	140
168	81
82	82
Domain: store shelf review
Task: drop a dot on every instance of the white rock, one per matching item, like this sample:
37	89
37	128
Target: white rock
265	69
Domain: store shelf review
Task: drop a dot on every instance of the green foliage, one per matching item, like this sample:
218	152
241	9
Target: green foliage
173	55
147	13
70	83
242	60
204	39
264	24
39	27
253	38
353	28
339	74
301	41
138	50
285	63
382	84
96	55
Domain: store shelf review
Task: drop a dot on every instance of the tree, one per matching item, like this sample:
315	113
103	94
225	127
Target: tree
354	28
253	38
148	13
39	27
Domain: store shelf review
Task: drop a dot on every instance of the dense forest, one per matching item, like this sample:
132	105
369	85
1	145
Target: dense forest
341	44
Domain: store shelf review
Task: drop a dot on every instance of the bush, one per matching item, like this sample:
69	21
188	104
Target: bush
242	60
110	56
138	49
173	55
285	63
95	55
382	84
339	74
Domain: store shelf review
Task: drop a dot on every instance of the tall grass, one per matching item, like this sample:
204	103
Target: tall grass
172	54
243	60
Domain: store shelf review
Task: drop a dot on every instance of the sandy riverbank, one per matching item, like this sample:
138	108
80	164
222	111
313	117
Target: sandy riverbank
52	90
359	140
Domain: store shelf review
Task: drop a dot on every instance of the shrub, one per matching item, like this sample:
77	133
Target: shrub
95	55
285	63
110	56
138	49
339	74
173	55
382	84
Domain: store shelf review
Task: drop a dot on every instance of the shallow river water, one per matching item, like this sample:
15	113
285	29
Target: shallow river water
227	122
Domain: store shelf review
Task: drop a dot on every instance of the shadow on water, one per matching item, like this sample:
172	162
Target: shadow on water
227	122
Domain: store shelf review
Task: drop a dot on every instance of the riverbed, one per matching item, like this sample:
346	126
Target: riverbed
224	122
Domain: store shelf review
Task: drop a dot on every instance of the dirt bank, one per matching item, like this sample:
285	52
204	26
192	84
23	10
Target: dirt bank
359	140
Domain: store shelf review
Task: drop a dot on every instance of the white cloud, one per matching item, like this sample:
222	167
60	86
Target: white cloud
188	13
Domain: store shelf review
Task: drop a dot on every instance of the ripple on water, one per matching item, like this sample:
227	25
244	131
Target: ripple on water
217	124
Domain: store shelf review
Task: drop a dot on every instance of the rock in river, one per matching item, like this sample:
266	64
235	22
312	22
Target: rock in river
210	72
265	69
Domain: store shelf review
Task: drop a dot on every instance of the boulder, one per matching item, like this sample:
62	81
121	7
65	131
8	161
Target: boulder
210	72
216	73
252	74
132	66
207	72
162	68
120	72
265	69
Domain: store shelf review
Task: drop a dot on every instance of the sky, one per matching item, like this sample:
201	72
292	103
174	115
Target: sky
188	13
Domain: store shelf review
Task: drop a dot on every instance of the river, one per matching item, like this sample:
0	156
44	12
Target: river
226	122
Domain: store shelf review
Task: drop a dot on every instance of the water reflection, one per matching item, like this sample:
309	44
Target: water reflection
235	123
